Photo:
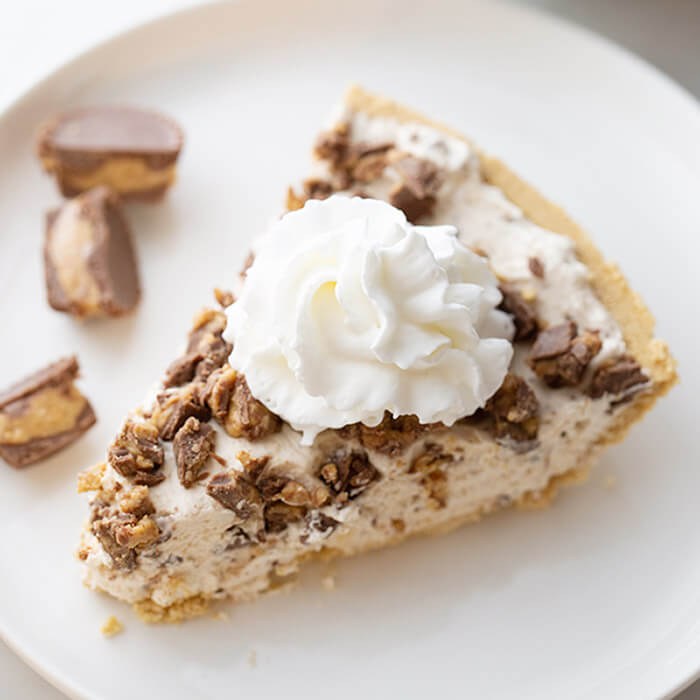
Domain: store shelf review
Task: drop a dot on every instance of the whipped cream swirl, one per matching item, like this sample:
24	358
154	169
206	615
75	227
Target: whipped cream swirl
349	311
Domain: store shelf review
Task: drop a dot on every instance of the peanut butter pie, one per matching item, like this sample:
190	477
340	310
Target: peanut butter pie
421	340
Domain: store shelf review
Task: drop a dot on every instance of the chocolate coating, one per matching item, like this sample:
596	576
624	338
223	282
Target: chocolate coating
113	130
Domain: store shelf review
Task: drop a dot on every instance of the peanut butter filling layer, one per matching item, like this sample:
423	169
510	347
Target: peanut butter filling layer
70	245
48	412
124	174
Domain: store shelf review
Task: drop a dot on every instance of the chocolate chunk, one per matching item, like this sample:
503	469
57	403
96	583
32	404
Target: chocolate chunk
584	348
420	176
560	357
148	478
316	188
369	167
253	466
536	267
137	502
182	370
276	487
392	435
348	163
206	337
89	261
333	145
514	401
192	446
270	486
313	188
175	407
523	313
120	534
414	207
218	390
233	491
553	341
348	473
42	414
136	453
273	485
321	523
122	556
132	535
228	395
236	538
361	149
132	150
617	376
206	351
513	410
278	516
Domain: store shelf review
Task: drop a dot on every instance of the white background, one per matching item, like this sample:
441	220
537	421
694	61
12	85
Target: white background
37	36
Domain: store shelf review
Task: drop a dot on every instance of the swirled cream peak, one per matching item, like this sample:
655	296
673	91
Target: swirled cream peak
349	311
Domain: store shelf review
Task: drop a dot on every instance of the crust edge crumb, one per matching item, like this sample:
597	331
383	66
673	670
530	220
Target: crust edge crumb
111	627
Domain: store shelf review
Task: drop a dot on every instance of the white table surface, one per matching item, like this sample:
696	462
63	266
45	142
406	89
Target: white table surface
37	35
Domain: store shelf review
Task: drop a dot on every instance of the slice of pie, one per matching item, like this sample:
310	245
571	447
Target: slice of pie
425	340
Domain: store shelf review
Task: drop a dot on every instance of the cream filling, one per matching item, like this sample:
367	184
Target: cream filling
197	558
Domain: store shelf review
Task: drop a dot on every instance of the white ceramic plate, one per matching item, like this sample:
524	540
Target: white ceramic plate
598	597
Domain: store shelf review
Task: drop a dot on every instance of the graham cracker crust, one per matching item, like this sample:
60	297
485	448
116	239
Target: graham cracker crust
152	613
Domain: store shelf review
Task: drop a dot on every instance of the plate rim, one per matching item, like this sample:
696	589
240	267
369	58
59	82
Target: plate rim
46	669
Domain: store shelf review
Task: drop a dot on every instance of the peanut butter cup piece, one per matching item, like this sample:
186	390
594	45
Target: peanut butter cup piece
560	355
235	492
553	341
132	150
523	312
136	453
192	446
513	410
89	262
43	414
414	207
421	176
617	376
